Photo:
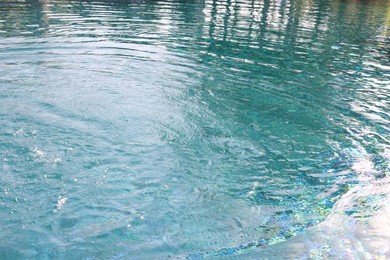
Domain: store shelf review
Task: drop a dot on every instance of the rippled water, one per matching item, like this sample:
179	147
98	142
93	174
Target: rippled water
150	129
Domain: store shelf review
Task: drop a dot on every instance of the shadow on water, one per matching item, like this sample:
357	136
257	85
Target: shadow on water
195	128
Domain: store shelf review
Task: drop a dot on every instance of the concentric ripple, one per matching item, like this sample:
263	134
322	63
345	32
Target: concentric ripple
193	129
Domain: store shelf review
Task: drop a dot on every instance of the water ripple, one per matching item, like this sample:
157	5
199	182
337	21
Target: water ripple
152	129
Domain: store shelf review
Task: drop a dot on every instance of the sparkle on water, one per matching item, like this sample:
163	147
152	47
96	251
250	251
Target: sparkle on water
198	128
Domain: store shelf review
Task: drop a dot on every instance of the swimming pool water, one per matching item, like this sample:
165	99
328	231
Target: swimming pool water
192	129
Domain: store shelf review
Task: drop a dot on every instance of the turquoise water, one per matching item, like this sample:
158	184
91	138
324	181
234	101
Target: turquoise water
192	129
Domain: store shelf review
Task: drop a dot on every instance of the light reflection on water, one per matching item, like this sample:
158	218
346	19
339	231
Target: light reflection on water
194	128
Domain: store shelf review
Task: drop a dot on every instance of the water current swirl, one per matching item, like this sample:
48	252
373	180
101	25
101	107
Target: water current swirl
149	129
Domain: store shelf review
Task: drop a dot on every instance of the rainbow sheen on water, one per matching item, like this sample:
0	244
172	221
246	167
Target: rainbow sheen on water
191	129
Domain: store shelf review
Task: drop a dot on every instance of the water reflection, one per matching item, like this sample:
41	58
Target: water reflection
208	127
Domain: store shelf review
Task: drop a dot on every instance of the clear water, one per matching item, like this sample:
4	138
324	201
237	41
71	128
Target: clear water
192	129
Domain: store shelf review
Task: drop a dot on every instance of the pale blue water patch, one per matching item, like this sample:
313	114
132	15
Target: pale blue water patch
192	129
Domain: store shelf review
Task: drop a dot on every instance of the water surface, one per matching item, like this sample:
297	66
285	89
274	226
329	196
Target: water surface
151	129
